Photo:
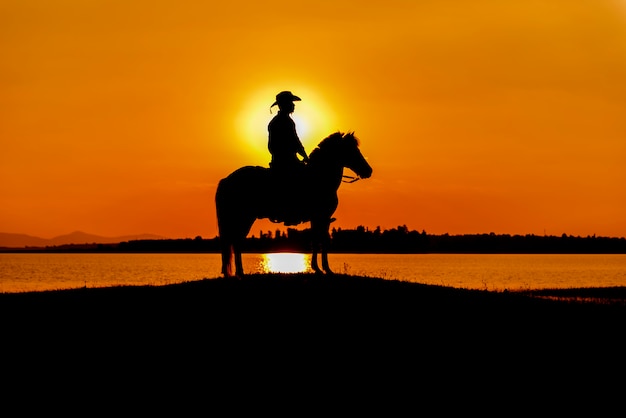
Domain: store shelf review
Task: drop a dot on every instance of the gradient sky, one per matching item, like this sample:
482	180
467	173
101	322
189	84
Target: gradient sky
119	117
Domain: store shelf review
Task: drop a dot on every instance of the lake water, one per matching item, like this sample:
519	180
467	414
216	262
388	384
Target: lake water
21	272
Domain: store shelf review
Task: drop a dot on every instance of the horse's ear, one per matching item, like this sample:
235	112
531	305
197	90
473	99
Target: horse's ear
353	136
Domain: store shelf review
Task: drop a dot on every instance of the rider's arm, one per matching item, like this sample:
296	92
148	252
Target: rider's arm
302	152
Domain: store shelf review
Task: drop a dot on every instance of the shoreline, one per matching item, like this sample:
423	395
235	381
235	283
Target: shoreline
593	294
614	294
304	278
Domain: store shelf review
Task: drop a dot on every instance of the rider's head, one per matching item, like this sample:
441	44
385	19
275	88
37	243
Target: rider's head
284	101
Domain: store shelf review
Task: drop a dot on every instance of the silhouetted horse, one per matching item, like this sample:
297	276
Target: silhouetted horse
253	192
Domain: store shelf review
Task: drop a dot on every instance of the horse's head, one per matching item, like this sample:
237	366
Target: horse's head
352	157
345	151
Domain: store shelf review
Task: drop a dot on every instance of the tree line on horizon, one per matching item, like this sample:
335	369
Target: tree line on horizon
399	240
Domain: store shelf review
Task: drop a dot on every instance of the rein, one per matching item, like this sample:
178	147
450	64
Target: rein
351	179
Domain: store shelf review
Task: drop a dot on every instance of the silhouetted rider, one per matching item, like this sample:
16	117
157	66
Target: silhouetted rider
285	146
284	143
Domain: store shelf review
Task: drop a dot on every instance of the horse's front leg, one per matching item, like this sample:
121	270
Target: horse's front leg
314	266
321	242
325	264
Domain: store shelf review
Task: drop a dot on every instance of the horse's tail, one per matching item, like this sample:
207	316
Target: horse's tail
224	228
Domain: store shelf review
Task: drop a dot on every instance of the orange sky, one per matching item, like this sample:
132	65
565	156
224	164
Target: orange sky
120	117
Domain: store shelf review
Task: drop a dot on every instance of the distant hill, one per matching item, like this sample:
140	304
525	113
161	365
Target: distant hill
77	237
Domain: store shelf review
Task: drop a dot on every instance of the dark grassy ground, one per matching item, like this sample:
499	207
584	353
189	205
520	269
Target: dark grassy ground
327	334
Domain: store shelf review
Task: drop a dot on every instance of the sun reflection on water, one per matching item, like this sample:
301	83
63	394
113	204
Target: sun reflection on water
285	263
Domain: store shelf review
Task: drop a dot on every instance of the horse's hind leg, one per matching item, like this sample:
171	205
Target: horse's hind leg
246	225
238	263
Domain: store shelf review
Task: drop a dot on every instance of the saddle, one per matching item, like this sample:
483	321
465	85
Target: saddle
289	202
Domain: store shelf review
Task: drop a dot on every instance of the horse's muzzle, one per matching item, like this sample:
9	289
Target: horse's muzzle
367	173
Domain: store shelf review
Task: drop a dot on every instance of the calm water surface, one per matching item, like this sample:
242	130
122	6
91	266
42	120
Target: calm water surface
34	272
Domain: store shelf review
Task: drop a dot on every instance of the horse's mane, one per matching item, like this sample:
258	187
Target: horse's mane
334	140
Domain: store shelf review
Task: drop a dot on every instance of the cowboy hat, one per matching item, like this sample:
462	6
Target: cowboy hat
285	97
